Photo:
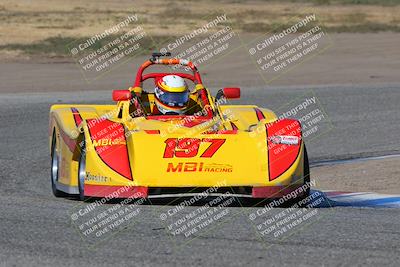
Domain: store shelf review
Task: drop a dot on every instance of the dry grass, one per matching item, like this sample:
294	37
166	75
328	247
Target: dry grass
25	24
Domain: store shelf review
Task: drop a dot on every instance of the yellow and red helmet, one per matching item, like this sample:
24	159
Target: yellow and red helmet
171	95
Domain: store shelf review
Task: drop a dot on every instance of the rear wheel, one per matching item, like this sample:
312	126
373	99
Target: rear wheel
307	179
55	163
82	174
306	182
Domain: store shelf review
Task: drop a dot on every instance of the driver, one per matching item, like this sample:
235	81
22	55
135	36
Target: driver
171	96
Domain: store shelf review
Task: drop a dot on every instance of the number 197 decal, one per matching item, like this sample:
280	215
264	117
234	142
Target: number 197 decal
189	147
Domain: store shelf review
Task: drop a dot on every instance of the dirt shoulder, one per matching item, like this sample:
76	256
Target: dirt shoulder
379	176
351	59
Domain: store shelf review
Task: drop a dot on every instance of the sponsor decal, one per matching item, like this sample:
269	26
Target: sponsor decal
285	139
96	178
109	142
198	167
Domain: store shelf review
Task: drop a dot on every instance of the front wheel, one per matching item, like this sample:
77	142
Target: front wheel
55	163
82	174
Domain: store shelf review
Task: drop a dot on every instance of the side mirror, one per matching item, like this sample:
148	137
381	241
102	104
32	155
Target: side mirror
231	92
121	95
228	93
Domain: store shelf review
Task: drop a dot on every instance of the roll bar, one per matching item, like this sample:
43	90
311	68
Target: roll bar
155	59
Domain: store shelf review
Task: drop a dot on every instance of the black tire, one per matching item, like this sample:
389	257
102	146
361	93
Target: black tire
55	163
307	178
82	174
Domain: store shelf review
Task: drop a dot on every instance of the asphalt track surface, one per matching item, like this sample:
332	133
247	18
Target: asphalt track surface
36	228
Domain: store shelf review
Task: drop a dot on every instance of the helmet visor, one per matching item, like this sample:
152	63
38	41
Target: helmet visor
172	99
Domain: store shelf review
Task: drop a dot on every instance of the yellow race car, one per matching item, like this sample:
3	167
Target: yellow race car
127	151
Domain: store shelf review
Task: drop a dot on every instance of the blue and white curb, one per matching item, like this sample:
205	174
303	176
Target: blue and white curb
361	199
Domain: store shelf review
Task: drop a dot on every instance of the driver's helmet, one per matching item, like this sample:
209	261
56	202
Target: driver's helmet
171	95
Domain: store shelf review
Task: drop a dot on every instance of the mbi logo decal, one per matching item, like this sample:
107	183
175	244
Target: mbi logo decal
198	167
109	142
